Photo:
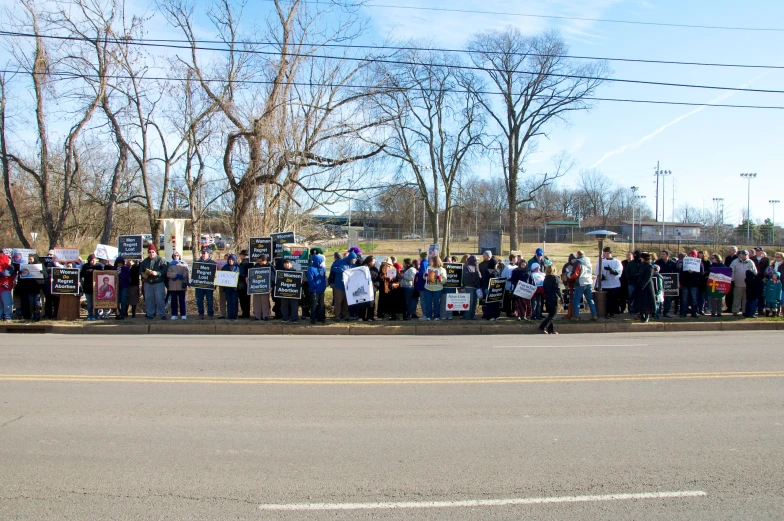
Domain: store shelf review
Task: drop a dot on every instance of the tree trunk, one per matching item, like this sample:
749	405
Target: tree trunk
111	202
512	200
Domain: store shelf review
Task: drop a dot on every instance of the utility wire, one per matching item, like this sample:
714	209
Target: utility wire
556	17
381	89
186	46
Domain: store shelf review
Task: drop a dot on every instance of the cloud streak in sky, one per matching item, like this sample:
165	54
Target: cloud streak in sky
631	146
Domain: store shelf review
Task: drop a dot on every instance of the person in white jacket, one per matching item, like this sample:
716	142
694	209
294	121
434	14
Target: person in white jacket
739	268
610	274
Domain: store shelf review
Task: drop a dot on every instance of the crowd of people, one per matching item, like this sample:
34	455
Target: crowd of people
416	288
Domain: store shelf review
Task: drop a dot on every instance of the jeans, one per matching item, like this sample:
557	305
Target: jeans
122	302
445	313
587	292
470	314
751	308
409	295
632	307
232	303
431	302
7	299
317	311
289	308
667	306
201	296
689	300
536	307
90	310
155	299
178	303
552	310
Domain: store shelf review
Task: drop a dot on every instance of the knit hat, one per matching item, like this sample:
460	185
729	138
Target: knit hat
316	251
232	257
743	252
535	266
356	249
152	247
539	252
351	256
488	253
119	260
693	253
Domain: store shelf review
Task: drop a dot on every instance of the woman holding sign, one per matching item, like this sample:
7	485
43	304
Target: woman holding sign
232	299
389	282
434	286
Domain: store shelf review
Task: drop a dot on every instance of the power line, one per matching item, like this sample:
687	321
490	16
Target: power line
150	41
556	17
68	75
186	46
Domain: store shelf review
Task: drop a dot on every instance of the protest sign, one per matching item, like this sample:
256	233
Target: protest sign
104	289
259	280
524	290
227	279
8	251
258	246
358	284
719	282
65	281
105	252
538	278
21	255
495	290
31	271
288	284
46	259
66	254
297	263
203	275
279	239
458	301
670	284
691	264
130	247
432	251
391	273
454	275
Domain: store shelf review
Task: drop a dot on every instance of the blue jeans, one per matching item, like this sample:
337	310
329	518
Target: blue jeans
579	293
90	310
317	310
632	307
445	313
411	302
536	307
471	313
431	302
202	295
689	300
232	303
7	299
751	308
667	306
122	302
155	299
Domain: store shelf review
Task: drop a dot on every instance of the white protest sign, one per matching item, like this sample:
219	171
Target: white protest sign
31	271
691	264
21	255
66	254
359	285
102	251
458	301
227	279
524	290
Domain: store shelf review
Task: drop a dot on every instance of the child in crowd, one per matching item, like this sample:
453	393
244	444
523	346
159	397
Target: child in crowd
773	295
659	290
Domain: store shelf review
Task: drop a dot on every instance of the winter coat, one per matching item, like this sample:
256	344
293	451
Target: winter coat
728	260
158	264
7	273
337	269
86	274
317	278
471	276
552	290
773	293
691	279
419	284
584	278
752	288
124	276
520	274
739	269
178	275
667	266
645	295
409	276
633	269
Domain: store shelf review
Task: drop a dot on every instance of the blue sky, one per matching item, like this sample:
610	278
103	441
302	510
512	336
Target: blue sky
706	149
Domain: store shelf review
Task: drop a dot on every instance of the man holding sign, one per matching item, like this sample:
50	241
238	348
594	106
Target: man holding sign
691	274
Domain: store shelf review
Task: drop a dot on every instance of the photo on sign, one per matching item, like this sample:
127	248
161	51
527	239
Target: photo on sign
104	252
31	271
227	279
203	275
458	301
288	284
259	280
391	273
104	289
65	281
359	285
524	290
432	251
22	255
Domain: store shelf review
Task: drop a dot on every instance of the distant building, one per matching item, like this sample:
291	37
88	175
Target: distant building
652	231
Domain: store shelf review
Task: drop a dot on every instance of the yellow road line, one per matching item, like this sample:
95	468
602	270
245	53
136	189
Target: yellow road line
447	380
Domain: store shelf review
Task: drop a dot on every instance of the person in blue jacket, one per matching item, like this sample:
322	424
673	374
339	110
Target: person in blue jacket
339	289
317	285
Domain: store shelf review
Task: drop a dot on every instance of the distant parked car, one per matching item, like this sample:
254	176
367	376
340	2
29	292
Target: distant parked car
412	236
299	238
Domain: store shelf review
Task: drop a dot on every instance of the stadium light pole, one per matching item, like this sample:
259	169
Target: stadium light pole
634	203
773	203
719	201
748	177
663	173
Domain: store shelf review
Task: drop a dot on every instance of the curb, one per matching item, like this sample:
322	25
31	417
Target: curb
386	329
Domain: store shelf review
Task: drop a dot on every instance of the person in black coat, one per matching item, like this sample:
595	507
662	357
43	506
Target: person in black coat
645	292
552	294
731	294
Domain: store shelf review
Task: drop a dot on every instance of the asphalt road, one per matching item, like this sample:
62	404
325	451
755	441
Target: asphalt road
657	426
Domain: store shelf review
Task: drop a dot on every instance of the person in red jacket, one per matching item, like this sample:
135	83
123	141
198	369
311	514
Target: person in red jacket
7	278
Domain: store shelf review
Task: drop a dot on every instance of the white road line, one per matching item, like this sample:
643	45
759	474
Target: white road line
578	345
481	502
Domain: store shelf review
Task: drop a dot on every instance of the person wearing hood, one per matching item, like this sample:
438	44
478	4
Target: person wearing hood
317	285
232	299
583	286
153	272
773	295
491	311
7	279
179	279
340	307
86	276
123	282
521	306
242	287
645	294
472	281
410	294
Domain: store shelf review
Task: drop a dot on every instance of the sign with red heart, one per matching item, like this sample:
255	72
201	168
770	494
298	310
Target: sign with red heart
459	301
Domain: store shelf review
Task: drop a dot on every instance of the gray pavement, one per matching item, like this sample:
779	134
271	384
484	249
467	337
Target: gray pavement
185	427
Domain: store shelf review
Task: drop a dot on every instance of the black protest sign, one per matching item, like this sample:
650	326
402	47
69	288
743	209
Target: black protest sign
495	290
258	246
454	275
288	284
65	281
130	247
203	275
670	285
279	239
259	280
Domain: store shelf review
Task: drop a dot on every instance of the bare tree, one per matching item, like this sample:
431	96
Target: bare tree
5	164
436	124
537	84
